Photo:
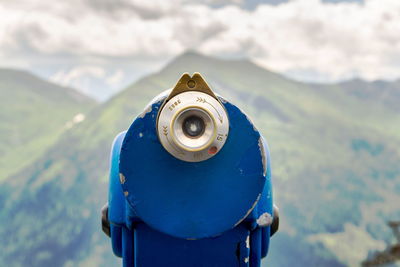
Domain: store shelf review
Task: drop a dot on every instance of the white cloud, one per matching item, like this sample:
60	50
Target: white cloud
306	38
69	77
86	78
335	39
116	78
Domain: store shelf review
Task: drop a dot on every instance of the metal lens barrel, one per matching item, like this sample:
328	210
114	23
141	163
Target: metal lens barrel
193	126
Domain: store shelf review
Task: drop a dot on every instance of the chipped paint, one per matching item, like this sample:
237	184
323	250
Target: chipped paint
140	135
122	178
251	122
263	155
157	98
126	193
249	211
146	110
265	220
222	100
246	260
161	96
248	241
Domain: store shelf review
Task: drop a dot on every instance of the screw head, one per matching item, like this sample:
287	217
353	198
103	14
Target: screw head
191	83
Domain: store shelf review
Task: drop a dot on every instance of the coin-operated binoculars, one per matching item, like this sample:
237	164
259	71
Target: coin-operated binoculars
190	184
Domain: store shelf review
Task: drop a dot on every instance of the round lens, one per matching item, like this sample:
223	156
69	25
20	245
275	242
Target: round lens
193	126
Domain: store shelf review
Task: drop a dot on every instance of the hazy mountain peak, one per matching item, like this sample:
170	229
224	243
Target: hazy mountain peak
192	58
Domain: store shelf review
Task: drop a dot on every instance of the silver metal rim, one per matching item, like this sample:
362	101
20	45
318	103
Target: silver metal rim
169	126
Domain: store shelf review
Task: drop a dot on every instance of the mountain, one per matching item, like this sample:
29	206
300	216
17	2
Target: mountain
33	114
335	168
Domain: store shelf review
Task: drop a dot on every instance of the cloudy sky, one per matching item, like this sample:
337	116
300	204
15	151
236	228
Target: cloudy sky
100	46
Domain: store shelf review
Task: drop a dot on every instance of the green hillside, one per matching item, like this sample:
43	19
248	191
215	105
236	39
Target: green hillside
33	114
334	155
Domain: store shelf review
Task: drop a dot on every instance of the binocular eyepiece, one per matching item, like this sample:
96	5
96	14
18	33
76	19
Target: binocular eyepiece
192	124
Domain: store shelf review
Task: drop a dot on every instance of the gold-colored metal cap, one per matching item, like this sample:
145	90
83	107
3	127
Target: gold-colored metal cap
194	83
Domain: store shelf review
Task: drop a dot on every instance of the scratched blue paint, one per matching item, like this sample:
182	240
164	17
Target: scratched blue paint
116	198
168	201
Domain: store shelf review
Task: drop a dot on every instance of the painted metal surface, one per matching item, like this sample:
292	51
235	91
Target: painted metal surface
168	212
192	199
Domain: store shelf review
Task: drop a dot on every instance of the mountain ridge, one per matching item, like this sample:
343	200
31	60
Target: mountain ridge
33	112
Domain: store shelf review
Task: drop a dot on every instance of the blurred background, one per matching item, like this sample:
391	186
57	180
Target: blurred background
320	78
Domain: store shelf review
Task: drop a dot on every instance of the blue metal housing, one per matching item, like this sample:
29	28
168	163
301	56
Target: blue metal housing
167	212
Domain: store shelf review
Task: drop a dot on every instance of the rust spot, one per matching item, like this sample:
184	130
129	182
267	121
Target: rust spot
212	150
126	193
